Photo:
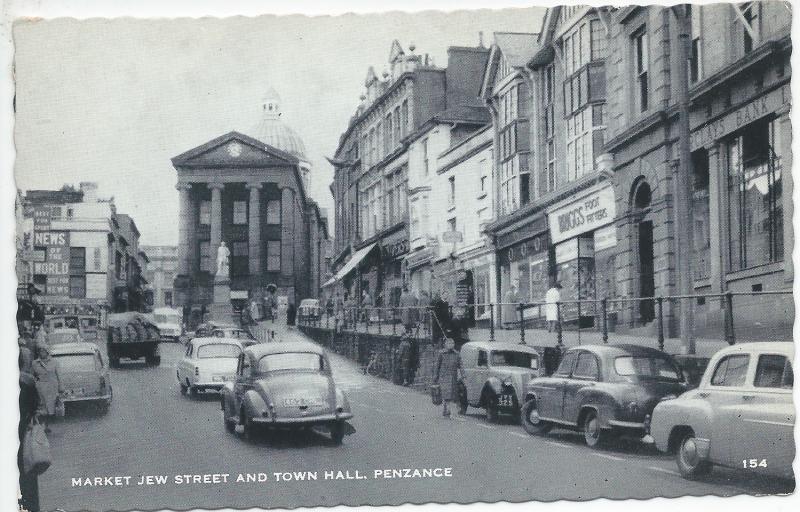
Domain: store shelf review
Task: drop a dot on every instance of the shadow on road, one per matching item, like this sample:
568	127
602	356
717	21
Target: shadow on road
292	439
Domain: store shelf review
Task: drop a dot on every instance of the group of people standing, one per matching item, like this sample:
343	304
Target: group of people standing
511	300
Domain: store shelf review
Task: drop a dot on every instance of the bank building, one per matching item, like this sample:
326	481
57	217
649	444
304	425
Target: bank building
250	190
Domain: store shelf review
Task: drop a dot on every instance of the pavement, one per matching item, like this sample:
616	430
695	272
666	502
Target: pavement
151	429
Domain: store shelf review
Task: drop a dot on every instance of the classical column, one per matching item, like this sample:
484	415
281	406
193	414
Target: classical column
287	232
254	229
184	216
216	216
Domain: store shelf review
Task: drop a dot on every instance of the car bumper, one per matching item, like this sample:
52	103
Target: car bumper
217	385
86	398
307	420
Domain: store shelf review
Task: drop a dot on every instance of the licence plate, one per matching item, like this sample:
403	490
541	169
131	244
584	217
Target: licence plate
506	401
301	402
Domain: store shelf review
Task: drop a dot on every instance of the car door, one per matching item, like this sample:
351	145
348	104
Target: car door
724	395
585	374
478	377
764	427
550	390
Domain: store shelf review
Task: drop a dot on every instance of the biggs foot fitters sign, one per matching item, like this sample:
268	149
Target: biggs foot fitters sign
593	209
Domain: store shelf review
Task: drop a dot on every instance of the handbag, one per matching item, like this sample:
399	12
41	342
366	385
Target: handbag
36	456
436	394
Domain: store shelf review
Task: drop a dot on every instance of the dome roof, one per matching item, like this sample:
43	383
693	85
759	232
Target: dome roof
273	131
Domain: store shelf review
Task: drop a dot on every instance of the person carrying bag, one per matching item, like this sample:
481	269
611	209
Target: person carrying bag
36	456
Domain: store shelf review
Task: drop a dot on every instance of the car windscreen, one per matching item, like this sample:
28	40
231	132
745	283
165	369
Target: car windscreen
63	337
75	362
214	350
644	366
512	358
291	361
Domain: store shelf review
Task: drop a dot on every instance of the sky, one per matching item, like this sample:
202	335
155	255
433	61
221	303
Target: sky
113	100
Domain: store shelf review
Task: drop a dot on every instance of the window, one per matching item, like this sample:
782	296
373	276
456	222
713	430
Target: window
774	371
205	213
701	215
379	141
404	119
239	263
483	359
509	190
388	143
98	260
77	260
483	180
747	24
240	212
273	255
396	125
547	183
599	42
291	361
425	164
273	212
641	61
77	287
581	143
168	298
695	58
565	368
587	367
206	262
731	371
755	196
452	196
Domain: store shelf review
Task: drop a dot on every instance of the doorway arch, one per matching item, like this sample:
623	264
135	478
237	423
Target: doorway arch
641	198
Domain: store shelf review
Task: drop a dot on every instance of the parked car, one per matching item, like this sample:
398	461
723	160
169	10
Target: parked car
83	374
285	385
244	337
602	390
495	375
132	335
64	335
208	363
205	329
169	322
741	415
85	323
309	310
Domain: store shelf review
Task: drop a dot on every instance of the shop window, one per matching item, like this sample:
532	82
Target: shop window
701	216
756	197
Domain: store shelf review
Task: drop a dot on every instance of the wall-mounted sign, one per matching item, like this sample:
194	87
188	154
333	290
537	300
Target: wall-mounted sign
396	249
56	249
592	209
41	218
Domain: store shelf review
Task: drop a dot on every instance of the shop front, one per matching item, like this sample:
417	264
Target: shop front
393	252
584	240
419	270
482	271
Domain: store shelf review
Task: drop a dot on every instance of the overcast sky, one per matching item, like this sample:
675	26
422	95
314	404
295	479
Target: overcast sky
113	100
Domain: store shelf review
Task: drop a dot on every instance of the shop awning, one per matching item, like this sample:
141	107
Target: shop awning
329	282
358	256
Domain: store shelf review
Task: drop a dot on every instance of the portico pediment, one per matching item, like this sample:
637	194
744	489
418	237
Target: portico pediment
234	149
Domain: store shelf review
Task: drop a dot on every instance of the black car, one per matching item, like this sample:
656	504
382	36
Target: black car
602	390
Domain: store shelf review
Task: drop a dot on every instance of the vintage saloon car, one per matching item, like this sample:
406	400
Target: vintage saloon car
208	363
244	337
83	374
495	375
602	390
285	385
64	335
740	416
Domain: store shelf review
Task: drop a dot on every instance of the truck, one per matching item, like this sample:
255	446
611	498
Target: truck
132	335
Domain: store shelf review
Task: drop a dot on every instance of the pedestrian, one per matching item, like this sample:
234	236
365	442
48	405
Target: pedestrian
413	360
408	313
254	312
28	407
291	312
403	361
40	339
25	354
48	385
510	306
269	302
446	374
366	304
551	299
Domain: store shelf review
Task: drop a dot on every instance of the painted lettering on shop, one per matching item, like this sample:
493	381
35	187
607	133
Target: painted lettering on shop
593	211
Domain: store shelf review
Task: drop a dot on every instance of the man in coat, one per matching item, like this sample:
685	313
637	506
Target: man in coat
408	311
446	374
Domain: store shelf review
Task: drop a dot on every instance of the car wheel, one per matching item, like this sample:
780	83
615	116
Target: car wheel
463	403
337	432
531	421
184	388
492	409
689	462
193	391
248	428
592	433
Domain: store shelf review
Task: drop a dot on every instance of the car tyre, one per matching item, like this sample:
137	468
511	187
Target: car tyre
248	428
594	436
184	388
230	425
531	422
337	432
463	403
689	463
492	408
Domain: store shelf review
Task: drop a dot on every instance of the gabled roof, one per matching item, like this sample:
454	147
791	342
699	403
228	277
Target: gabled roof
278	156
516	47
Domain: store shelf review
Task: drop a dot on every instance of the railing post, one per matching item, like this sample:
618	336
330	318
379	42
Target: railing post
559	331
730	336
521	308
491	322
380	320
394	321
660	302
604	304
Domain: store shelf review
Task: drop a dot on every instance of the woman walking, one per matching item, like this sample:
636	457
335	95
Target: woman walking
48	384
446	374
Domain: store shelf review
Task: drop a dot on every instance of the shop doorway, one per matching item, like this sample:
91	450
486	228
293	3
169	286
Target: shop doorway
647	284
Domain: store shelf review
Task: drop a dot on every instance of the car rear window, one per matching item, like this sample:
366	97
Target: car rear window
214	350
511	358
291	361
75	362
63	337
641	366
774	371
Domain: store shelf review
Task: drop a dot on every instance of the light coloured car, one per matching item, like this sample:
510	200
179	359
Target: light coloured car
169	323
286	385
740	416
83	374
495	375
208	363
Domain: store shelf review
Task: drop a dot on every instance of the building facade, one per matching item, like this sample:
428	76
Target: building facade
161	272
250	194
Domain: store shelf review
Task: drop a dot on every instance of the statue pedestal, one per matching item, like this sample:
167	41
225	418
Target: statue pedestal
221	309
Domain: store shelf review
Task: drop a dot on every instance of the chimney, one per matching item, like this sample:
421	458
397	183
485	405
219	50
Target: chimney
480	39
89	189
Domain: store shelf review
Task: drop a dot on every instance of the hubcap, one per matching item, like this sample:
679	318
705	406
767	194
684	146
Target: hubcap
689	452
591	428
533	417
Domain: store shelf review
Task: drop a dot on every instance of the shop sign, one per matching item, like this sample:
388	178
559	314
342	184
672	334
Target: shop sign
419	258
56	248
57	286
605	238
41	218
521	251
756	109
572	249
531	229
594	209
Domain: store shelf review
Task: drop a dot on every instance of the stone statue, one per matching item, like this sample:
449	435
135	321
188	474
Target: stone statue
223	258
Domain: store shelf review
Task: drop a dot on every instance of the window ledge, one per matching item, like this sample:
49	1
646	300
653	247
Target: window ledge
482	195
767	268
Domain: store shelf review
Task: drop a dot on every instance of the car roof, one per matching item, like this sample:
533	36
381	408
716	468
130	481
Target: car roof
621	349
500	345
782	347
73	348
282	347
214	340
71	330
